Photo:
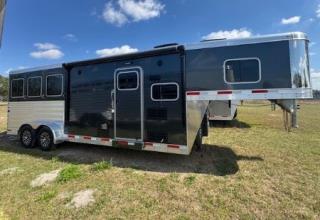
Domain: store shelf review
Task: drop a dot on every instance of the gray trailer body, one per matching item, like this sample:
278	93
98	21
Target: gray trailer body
158	100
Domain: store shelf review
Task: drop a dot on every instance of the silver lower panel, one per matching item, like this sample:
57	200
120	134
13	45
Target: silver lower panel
35	114
195	113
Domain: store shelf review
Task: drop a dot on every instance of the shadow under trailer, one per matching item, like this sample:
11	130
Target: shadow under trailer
156	100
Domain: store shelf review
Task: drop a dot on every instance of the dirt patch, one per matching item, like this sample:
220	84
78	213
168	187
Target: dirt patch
9	171
64	195
45	179
82	199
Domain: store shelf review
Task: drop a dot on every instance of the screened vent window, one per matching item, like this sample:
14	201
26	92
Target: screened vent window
242	70
54	85
165	92
34	86
128	81
17	86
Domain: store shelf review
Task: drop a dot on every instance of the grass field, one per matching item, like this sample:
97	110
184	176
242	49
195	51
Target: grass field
249	169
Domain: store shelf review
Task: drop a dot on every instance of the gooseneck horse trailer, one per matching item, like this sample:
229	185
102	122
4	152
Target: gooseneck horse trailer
155	100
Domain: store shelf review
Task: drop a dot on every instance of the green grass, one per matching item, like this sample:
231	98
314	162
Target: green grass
47	196
70	172
100	166
250	169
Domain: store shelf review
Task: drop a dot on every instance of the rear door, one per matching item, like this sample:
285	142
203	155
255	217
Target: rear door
128	103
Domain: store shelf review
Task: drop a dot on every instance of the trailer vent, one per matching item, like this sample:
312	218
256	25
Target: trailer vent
158	114
166	45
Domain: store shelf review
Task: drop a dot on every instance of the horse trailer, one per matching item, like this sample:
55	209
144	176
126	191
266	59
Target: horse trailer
155	100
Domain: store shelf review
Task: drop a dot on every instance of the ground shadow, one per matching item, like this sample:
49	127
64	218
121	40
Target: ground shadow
229	124
213	160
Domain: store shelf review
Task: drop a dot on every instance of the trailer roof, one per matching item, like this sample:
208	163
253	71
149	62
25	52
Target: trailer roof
249	40
176	49
157	51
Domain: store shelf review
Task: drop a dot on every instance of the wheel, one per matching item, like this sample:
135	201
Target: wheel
27	137
45	139
198	141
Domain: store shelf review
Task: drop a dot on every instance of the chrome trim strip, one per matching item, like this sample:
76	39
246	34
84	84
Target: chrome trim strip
165	100
251	40
283	93
246	58
55	66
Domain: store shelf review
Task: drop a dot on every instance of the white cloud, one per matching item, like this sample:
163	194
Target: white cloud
141	10
52	54
235	33
132	10
115	51
112	16
47	51
45	46
292	20
70	37
318	11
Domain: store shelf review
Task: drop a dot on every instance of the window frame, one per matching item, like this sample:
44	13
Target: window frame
32	77
131	89
17	97
165	100
241	59
62	85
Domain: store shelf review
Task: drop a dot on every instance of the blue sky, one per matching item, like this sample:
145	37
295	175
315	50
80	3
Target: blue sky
43	32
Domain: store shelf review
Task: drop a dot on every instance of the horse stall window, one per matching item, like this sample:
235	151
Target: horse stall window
54	85
165	92
17	88
34	86
242	70
128	81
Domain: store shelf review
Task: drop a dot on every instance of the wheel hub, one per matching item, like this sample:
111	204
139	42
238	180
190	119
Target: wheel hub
45	139
26	137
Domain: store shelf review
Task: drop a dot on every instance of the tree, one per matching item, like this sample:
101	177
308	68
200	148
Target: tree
4	87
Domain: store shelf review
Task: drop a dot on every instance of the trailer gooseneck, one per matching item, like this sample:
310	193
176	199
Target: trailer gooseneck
155	100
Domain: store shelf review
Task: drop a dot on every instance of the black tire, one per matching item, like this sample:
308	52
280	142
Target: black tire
45	139
198	141
27	137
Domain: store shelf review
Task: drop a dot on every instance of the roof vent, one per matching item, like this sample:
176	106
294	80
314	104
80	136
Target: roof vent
217	39
166	45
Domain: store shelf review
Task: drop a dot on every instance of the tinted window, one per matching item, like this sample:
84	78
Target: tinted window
34	86
54	85
128	81
237	71
17	87
164	92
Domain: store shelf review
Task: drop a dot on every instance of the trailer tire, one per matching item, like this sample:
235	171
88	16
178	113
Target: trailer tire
198	141
27	136
45	139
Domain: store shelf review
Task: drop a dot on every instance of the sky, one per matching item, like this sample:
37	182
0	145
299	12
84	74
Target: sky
43	32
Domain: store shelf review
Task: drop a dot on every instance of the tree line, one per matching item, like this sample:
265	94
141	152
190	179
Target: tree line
4	88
